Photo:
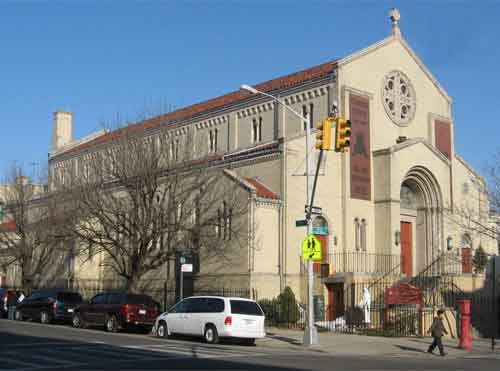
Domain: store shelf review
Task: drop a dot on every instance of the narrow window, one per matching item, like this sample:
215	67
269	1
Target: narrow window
176	149
363	235
230	223
311	115
254	131
304	114
356	234
218	228
216	134
260	129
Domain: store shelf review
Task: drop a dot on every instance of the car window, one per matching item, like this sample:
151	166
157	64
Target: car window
99	299
69	297
214	305
114	298
181	307
35	296
197	305
245	307
140	300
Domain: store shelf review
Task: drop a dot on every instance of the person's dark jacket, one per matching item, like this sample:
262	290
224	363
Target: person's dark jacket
437	329
12	299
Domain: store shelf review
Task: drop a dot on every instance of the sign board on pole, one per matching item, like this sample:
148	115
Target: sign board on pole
316	210
186	268
323	231
301	223
311	248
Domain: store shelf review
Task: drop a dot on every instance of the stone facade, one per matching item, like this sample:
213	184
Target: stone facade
402	141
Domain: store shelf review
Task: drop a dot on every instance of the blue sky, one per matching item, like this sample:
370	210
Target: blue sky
98	59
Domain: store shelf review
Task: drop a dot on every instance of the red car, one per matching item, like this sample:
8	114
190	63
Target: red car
117	311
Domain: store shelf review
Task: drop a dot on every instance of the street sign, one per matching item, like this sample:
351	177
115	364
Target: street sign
186	268
311	248
316	210
323	231
301	223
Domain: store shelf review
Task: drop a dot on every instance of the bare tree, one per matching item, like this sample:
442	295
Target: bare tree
479	213
26	233
140	201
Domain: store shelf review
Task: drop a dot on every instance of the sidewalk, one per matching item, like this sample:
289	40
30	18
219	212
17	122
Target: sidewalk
361	345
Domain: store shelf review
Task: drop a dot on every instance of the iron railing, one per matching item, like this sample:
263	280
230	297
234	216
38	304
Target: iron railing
364	262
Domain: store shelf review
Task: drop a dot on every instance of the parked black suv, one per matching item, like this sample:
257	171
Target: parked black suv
49	305
116	311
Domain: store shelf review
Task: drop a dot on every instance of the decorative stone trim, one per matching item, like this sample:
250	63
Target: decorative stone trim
264	107
268	203
211	122
306	95
174	133
349	89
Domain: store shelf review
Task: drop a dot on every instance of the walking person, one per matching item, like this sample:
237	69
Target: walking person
437	331
12	304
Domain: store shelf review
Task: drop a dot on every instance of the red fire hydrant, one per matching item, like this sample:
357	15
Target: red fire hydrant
465	337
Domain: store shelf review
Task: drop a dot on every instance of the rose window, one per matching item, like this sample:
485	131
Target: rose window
398	97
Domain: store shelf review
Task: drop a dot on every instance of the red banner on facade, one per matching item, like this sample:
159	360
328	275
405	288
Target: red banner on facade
360	149
442	132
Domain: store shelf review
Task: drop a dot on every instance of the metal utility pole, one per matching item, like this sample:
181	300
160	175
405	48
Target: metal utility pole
310	333
493	303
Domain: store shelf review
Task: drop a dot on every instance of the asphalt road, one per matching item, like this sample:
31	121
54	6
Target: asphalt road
32	346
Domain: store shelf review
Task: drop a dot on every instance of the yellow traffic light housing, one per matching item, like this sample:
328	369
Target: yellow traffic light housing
324	136
342	135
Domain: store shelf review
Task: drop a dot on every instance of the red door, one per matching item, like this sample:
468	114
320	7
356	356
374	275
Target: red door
335	307
466	260
406	249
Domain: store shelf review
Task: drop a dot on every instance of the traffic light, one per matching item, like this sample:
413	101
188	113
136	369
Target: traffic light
324	136
342	135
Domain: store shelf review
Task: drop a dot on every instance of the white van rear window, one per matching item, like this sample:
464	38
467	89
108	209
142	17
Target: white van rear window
245	307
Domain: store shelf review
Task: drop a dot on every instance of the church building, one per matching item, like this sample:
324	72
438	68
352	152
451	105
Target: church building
388	204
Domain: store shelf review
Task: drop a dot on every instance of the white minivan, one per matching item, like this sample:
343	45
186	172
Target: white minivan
213	317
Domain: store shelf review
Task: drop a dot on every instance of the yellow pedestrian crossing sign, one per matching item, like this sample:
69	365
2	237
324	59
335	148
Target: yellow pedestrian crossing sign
311	248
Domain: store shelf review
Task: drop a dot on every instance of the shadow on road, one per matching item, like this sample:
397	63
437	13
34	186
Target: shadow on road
410	349
22	351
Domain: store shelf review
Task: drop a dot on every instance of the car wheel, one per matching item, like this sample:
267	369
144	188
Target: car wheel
19	315
249	342
44	317
211	336
111	324
162	330
77	321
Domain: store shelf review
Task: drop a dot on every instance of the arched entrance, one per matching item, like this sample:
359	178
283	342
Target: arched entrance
421	220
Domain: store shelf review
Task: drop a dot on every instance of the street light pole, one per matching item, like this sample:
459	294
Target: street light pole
310	332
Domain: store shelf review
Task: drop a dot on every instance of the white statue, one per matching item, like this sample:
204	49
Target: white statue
366	303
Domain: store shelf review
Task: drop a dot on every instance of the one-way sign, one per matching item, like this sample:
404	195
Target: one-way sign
316	210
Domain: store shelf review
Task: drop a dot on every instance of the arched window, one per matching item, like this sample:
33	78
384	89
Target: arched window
408	198
363	235
357	234
466	241
311	115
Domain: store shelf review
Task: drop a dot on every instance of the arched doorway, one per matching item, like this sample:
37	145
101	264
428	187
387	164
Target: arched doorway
320	231
421	220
